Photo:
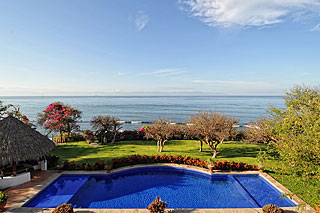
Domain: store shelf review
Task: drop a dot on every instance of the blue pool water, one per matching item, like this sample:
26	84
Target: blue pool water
180	188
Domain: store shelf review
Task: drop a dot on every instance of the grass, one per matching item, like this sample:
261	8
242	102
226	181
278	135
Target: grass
83	152
308	190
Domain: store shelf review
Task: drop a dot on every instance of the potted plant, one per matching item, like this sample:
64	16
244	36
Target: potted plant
3	200
261	158
270	208
211	165
64	208
157	206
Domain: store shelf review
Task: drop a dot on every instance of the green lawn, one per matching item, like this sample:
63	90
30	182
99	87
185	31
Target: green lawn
308	190
83	152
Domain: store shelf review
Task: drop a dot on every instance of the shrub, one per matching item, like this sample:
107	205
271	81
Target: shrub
99	165
64	208
157	206
270	208
129	135
139	159
75	136
52	160
187	160
89	136
237	135
60	139
72	137
69	165
72	165
3	197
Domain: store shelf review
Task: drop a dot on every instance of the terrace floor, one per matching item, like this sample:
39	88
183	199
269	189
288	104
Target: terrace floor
20	194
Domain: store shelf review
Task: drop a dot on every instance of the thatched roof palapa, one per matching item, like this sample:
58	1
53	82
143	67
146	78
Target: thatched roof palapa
19	142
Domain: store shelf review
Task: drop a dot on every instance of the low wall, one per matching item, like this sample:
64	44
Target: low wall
11	181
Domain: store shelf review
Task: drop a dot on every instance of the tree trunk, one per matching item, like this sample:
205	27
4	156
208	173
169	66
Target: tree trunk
68	133
102	139
114	138
158	146
214	153
60	131
214	149
161	147
14	168
201	145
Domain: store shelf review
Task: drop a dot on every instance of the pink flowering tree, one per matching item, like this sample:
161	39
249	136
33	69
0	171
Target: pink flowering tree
14	111
60	118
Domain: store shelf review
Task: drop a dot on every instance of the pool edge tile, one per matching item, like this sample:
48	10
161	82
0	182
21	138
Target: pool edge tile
282	188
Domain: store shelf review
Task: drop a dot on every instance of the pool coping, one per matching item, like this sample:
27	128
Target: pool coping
17	207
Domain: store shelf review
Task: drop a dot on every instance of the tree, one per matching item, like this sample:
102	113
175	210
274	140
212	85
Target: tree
296	131
3	109
105	125
60	118
14	111
258	132
161	131
116	126
211	128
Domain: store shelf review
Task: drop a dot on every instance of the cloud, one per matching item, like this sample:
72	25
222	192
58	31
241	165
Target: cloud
168	71
165	72
316	28
249	13
141	20
121	73
234	83
305	74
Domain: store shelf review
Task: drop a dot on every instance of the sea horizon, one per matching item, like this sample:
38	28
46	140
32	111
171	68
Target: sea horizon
147	109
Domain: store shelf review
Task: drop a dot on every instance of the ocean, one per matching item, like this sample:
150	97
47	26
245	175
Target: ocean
150	108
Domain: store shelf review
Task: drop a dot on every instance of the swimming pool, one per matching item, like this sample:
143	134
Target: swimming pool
179	188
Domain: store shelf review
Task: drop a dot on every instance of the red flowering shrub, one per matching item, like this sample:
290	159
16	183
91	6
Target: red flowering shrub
144	159
99	165
187	160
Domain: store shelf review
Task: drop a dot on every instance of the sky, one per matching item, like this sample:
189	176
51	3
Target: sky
158	47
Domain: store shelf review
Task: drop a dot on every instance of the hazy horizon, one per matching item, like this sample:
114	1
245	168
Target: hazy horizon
149	108
142	96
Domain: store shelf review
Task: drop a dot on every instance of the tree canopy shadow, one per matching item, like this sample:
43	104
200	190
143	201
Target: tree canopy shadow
234	152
